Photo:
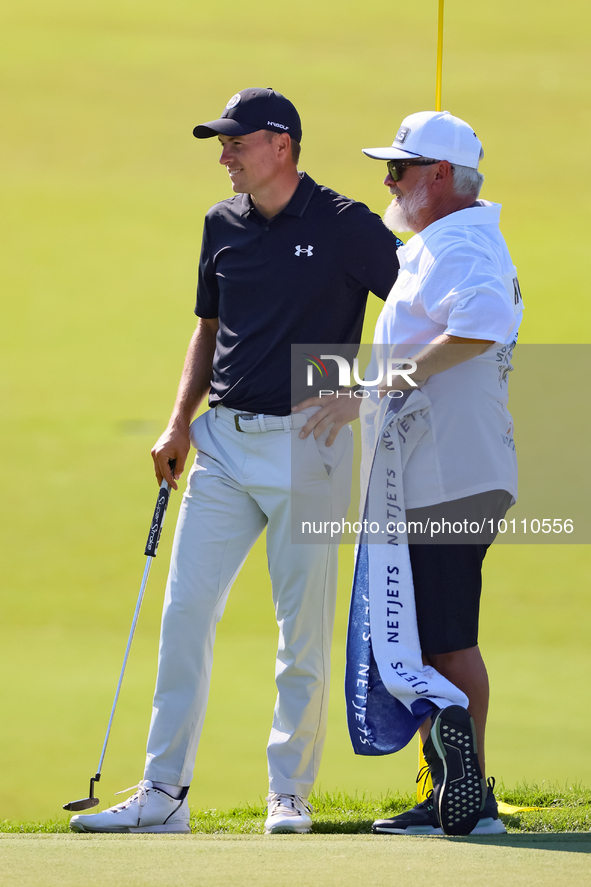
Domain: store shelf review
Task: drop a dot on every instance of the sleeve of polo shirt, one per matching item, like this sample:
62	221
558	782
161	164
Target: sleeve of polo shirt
208	294
464	292
371	251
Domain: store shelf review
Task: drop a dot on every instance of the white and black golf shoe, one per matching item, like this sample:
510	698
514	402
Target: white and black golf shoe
148	810
287	814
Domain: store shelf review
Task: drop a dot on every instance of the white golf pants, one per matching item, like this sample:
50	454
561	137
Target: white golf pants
240	483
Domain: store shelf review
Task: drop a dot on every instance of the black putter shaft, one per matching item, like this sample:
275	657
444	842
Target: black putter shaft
150	552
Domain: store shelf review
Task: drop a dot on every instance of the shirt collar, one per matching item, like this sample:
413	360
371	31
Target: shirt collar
296	206
486	213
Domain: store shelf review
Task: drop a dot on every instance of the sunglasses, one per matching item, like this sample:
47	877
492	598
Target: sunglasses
396	168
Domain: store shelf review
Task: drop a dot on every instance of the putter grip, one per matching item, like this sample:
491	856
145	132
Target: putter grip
158	518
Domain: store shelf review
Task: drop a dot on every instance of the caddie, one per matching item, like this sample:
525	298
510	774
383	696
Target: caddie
284	261
454	310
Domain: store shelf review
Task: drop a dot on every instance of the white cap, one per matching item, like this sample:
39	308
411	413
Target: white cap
435	134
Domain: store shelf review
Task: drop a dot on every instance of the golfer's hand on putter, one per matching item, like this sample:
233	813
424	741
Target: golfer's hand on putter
174	444
335	411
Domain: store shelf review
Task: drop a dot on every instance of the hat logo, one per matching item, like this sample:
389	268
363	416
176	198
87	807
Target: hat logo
233	101
402	134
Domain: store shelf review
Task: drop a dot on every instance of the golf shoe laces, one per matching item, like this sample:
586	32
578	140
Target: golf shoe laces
423	776
291	803
140	795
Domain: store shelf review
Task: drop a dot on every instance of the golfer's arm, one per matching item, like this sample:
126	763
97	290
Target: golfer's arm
441	354
173	446
196	375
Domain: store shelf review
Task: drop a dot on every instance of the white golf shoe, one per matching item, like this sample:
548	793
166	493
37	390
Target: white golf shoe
148	810
287	813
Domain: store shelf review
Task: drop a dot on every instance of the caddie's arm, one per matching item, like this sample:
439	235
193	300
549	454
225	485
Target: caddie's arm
443	353
437	356
195	381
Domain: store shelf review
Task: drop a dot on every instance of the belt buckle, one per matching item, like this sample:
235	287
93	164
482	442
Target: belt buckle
237	423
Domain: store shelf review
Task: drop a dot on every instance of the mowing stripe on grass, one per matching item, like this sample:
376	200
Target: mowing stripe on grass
308	860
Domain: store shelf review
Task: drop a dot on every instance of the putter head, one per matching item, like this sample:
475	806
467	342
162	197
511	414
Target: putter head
85	803
82	804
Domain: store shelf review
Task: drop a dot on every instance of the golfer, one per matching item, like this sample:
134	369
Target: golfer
454	310
284	261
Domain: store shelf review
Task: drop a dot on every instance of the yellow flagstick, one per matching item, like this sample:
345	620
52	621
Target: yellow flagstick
424	784
439	57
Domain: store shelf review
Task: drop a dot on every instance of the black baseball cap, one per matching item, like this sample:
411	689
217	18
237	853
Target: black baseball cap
253	109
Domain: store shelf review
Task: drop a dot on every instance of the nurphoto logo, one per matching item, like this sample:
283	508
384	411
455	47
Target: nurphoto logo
386	371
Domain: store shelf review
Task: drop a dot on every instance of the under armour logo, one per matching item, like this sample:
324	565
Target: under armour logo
302	249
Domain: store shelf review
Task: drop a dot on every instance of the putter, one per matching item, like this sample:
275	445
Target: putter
150	552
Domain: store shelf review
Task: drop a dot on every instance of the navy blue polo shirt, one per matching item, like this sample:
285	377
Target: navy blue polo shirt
301	277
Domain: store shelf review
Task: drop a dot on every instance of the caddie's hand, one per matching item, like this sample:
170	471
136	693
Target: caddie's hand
335	411
173	444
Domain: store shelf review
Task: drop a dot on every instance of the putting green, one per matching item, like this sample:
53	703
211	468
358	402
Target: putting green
104	191
64	861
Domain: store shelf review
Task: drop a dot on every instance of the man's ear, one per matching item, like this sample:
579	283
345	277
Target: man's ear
282	144
444	170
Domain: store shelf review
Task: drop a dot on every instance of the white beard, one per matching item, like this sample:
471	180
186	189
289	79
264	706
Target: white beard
401	215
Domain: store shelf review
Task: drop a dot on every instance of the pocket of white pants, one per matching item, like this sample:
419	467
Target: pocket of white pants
331	456
195	428
327	454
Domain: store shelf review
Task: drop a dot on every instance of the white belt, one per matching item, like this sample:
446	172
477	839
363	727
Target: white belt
255	423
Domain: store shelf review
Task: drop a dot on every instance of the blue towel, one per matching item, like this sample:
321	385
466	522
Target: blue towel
389	691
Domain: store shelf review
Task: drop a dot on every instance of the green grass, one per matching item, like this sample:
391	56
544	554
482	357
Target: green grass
338	813
260	861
